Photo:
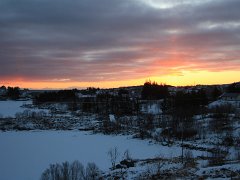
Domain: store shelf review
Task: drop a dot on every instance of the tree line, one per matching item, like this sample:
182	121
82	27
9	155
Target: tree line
11	92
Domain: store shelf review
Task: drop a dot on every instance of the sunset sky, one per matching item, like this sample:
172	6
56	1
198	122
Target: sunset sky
110	43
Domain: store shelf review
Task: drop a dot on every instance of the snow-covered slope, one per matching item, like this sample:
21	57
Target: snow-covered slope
25	155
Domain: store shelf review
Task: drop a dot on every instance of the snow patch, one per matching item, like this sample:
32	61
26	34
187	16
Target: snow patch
9	108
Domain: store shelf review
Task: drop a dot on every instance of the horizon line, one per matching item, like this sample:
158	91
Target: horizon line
118	87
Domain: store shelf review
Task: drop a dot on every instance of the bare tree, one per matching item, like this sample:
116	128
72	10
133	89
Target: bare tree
92	171
45	175
77	171
65	170
73	171
54	172
127	155
113	155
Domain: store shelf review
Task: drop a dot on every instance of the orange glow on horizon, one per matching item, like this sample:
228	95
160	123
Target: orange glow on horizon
183	79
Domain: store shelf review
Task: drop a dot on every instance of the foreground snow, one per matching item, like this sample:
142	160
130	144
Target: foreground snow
9	108
25	155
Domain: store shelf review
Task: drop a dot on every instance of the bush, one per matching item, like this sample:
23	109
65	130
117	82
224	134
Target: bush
73	171
222	109
189	159
228	140
92	171
153	91
218	157
186	134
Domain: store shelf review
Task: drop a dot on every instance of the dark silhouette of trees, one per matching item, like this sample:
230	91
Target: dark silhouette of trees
221	120
189	102
56	96
234	88
89	90
153	91
120	104
3	87
182	107
216	93
123	92
71	171
13	92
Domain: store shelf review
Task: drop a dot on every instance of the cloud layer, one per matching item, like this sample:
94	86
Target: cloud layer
108	40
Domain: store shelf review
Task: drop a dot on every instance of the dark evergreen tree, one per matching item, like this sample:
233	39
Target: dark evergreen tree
216	93
234	88
56	96
153	91
13	92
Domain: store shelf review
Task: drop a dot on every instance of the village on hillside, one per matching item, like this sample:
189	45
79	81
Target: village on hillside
200	125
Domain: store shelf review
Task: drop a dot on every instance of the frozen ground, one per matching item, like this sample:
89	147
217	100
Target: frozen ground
221	102
10	108
25	155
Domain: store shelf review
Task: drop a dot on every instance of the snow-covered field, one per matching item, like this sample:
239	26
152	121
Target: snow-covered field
10	108
25	155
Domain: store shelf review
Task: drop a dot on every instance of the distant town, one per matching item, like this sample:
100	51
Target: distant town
199	125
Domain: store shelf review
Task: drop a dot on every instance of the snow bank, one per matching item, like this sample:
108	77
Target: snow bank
112	118
223	102
25	155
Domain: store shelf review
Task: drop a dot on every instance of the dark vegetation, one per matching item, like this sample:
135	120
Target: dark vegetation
216	93
13	92
234	88
10	92
55	96
71	171
185	117
153	91
176	120
181	108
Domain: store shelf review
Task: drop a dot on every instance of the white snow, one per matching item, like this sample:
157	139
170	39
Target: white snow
224	102
9	108
153	108
25	155
233	167
112	118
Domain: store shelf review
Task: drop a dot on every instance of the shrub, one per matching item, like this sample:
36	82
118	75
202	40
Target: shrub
73	171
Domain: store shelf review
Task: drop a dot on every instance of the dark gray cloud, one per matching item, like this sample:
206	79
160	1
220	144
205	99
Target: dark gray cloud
91	40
